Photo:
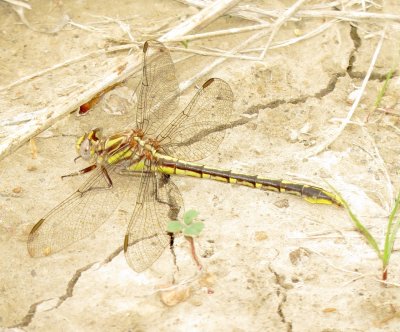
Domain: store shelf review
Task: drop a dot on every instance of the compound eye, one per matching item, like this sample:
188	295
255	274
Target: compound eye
84	149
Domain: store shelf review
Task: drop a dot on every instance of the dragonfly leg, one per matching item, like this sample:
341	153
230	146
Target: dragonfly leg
107	178
88	169
82	171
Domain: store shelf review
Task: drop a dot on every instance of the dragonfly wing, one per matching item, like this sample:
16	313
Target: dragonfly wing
159	201
159	90
197	131
80	214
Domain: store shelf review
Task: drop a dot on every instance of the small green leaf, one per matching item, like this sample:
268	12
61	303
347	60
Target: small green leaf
189	215
174	226
193	229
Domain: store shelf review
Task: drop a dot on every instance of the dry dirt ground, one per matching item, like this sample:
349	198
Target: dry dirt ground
272	262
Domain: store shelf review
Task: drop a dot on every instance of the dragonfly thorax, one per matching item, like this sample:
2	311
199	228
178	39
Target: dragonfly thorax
125	147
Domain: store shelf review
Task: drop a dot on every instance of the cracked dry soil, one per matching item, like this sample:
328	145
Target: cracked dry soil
307	271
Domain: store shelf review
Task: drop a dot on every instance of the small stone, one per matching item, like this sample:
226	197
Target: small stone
293	136
172	298
298	32
283	203
17	190
207	253
353	96
207	280
261	236
295	256
306	128
196	302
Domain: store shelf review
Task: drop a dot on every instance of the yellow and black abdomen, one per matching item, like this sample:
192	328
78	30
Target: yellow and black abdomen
312	194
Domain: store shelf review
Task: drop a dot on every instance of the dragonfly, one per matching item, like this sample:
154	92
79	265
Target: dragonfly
164	141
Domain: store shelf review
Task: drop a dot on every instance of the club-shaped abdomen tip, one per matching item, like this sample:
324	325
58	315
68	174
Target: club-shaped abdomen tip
126	242
208	82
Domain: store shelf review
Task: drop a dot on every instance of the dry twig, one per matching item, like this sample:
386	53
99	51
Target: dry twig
204	17
278	23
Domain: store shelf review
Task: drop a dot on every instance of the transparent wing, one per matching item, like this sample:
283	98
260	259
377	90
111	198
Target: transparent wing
159	201
199	129
80	214
159	91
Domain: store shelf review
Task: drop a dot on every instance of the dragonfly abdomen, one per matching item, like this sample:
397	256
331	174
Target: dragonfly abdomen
312	194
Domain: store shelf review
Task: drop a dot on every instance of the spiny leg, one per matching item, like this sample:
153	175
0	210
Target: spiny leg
80	172
89	169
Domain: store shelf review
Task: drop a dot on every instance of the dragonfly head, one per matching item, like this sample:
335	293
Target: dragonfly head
88	143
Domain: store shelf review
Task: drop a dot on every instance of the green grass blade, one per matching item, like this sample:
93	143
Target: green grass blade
384	87
391	231
360	227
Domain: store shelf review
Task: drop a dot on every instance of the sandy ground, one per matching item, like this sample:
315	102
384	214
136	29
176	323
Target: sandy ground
272	262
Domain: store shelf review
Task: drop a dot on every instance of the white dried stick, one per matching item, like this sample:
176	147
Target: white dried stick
278	23
202	18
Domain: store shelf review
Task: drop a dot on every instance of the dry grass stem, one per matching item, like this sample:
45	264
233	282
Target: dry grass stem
361	276
291	41
348	15
221	32
278	23
331	264
201	19
19	3
358	274
388	111
387	283
184	85
325	235
338	14
85	27
256	14
215	53
238	11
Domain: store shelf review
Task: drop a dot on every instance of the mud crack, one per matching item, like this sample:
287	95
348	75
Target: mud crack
27	319
357	41
281	293
29	316
352	58
73	281
255	109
